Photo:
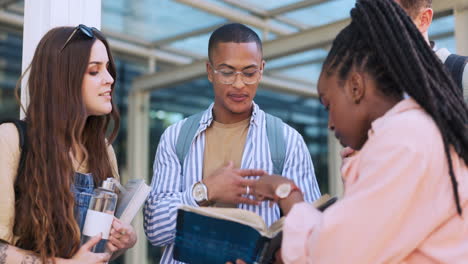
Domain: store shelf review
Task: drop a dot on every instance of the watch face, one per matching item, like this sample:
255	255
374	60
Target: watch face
199	192
283	190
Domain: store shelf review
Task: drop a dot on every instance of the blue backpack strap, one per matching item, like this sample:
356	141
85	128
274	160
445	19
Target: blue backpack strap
456	65
186	134
275	134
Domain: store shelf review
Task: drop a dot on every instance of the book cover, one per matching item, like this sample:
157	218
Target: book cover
217	235
131	198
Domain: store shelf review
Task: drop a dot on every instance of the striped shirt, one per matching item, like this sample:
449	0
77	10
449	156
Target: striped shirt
171	187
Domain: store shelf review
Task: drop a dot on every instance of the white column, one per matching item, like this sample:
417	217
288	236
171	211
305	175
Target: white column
42	15
137	159
461	29
461	35
334	164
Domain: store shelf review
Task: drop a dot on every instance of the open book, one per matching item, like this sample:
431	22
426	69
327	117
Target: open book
131	198
217	235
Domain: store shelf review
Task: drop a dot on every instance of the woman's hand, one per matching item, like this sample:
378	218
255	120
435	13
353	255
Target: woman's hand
264	188
122	236
84	254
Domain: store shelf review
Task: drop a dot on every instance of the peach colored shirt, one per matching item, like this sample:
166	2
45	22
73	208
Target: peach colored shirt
398	205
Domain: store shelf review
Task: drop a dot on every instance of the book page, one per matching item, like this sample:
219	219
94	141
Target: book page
233	214
246	217
323	199
276	227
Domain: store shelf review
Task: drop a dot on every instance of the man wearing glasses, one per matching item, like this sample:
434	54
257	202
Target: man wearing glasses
230	144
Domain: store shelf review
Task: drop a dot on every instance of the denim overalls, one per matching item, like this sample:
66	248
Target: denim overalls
82	189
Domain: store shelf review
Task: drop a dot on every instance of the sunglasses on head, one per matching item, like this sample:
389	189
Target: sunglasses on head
87	31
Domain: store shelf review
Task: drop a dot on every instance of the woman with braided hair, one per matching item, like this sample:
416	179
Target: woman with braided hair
406	190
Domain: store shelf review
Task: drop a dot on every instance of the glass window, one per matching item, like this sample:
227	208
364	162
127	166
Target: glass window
10	72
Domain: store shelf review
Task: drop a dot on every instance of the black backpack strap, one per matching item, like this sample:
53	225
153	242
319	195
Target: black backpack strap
23	144
456	65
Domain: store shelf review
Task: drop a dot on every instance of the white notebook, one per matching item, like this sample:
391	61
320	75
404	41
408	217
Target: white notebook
131	199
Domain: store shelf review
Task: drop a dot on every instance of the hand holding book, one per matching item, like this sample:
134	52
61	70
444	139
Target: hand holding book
217	235
122	236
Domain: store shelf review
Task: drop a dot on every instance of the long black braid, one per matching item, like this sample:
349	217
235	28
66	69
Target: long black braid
383	41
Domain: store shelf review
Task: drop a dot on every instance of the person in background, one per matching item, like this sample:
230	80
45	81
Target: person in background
421	13
406	192
51	162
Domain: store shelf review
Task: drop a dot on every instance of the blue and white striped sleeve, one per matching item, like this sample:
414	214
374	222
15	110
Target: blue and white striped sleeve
298	165
160	211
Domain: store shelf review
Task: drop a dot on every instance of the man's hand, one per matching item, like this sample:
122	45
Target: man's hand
228	185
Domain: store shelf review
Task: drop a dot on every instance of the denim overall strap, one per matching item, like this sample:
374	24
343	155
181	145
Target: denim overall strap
82	189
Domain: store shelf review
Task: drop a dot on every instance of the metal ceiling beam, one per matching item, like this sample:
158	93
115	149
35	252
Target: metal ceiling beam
305	40
191	33
441	8
301	41
184	73
184	53
139	51
294	43
235	15
126	38
308	39
6	3
254	9
292	22
295	64
11	19
117	43
293	7
248	6
290	86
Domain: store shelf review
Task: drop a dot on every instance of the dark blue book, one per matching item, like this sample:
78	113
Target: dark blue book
217	235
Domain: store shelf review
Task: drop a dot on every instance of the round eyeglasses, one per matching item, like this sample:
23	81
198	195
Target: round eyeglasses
247	76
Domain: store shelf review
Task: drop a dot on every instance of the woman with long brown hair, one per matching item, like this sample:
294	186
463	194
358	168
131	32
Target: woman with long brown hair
66	153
